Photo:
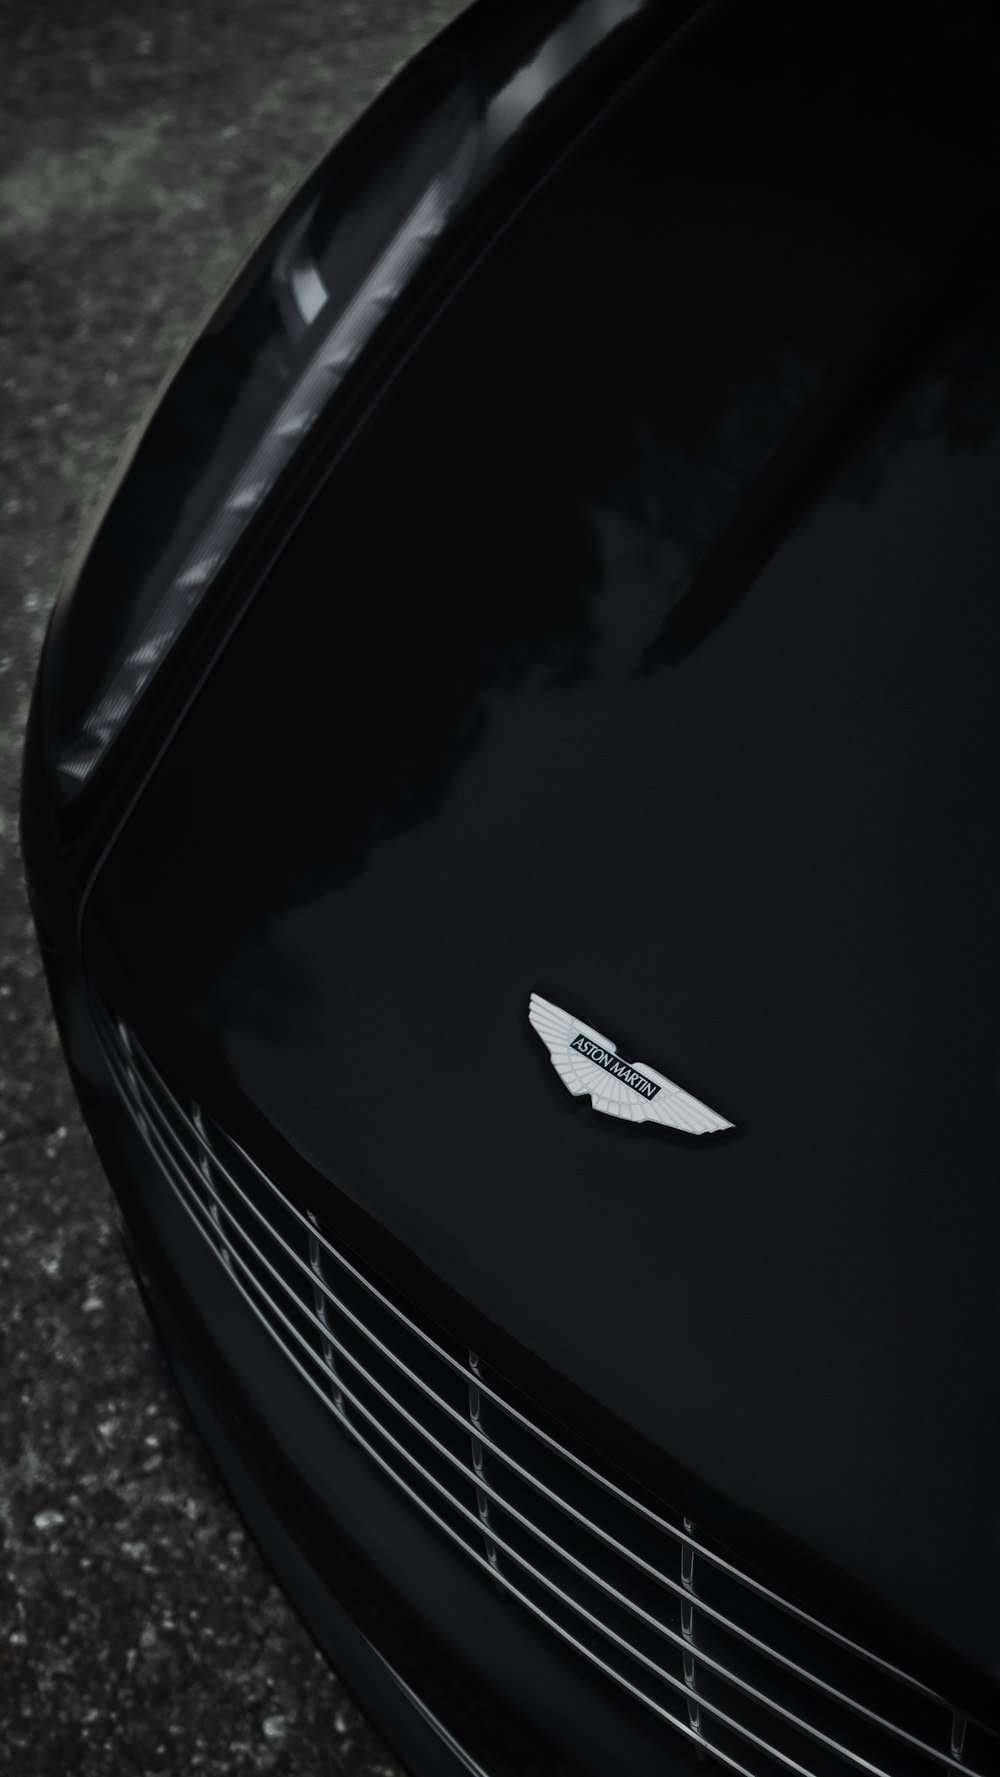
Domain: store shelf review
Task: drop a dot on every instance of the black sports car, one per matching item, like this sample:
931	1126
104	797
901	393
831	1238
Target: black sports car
509	805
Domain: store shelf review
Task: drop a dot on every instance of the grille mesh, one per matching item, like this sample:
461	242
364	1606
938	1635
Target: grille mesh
744	1673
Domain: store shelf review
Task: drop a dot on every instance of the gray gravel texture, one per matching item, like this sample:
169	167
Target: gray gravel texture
142	148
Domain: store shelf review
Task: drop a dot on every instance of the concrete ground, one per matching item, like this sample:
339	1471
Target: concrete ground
142	145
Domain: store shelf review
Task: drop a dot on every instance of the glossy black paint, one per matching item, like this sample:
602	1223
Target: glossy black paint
533	82
639	645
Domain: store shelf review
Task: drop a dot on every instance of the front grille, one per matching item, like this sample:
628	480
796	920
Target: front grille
725	1660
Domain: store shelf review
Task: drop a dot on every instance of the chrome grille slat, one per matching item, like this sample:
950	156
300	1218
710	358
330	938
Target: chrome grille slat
343	1393
689	1549
607	1485
744	1580
690	1679
202	1220
529	1604
663	1525
484	1487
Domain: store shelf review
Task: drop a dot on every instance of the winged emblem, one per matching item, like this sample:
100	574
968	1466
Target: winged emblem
586	1062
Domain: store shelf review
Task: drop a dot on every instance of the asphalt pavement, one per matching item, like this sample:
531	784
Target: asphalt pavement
142	148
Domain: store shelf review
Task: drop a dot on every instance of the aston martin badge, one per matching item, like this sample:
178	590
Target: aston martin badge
586	1062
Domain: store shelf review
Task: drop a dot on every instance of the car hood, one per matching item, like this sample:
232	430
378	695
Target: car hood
642	652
